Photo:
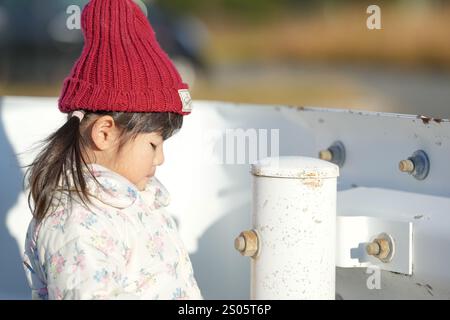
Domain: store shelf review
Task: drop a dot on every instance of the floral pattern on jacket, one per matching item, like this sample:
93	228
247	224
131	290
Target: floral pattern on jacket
123	245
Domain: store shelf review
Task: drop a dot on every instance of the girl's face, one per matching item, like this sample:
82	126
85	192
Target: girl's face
138	158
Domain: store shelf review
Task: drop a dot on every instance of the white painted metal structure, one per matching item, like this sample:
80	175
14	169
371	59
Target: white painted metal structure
294	213
212	201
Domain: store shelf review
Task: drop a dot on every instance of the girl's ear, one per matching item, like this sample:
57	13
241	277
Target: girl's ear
104	133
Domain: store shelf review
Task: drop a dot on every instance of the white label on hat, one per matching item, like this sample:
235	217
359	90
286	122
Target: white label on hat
186	100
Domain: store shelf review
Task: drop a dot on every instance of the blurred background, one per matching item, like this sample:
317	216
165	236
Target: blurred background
294	52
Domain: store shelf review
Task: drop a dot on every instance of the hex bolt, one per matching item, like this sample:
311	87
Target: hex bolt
326	155
335	154
247	243
382	248
239	243
406	166
373	249
418	165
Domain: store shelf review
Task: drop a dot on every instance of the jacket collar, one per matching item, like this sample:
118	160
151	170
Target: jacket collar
117	191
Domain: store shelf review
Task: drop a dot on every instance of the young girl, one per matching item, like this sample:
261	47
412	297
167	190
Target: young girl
99	227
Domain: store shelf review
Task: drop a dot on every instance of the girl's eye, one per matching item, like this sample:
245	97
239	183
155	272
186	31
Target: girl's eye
154	147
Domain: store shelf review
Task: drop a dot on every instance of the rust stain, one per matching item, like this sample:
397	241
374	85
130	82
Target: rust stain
308	175
425	120
313	183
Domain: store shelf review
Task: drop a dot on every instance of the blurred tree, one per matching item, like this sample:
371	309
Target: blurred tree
249	8
257	8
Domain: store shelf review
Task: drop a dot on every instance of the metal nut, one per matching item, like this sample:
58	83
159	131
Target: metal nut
382	248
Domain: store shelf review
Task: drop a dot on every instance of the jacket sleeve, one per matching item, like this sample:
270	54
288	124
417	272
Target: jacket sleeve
89	266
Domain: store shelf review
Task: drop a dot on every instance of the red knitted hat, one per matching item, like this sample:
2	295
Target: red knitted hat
122	66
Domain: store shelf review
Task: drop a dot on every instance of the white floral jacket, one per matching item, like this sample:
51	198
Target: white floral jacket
125	247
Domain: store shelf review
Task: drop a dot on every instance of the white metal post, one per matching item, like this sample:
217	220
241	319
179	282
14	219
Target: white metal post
294	221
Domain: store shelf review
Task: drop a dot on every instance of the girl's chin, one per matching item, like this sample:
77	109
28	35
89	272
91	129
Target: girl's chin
141	184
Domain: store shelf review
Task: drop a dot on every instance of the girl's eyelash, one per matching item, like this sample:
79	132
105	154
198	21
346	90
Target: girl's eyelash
154	147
